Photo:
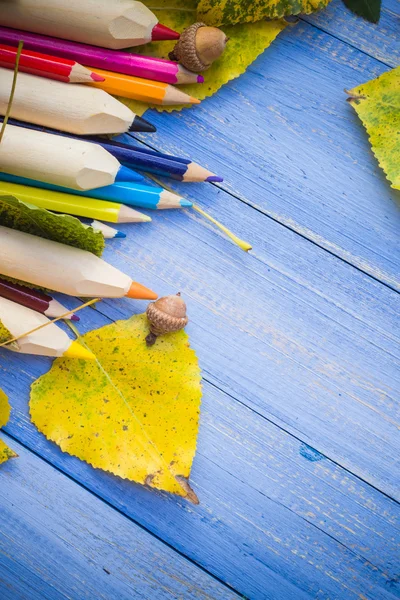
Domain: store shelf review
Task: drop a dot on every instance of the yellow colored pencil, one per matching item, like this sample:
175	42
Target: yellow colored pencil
145	90
79	206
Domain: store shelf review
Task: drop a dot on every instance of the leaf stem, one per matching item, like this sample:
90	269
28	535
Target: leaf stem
66	314
14	83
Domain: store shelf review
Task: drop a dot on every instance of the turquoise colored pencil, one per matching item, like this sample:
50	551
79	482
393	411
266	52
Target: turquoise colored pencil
129	193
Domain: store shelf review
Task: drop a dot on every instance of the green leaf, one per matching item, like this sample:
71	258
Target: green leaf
230	12
245	43
133	412
368	9
59	228
5	451
377	103
4	336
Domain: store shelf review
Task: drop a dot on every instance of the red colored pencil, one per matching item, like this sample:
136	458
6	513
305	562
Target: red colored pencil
48	66
33	299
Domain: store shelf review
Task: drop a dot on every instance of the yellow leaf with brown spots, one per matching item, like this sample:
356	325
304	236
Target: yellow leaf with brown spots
5	451
133	412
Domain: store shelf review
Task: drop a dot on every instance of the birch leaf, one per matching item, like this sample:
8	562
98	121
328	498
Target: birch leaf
230	12
246	42
134	412
5	451
377	103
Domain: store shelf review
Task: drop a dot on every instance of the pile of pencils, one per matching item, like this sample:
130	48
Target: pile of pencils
52	154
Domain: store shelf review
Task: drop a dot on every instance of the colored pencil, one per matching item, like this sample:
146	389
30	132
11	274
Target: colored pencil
73	205
106	23
52	67
48	341
108	232
60	160
34	300
131	194
152	161
63	268
148	67
77	109
154	92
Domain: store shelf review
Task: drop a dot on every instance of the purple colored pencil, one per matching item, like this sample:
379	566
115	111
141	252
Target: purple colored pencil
33	299
118	61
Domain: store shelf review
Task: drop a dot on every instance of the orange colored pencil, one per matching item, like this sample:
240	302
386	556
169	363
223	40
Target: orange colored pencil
51	67
145	90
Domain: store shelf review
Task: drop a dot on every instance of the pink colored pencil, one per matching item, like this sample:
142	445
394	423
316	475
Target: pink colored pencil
119	61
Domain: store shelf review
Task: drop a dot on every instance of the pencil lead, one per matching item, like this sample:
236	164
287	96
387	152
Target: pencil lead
120	234
75	318
77	351
140	124
161	32
200	79
186	203
194	100
97	77
214	179
140	292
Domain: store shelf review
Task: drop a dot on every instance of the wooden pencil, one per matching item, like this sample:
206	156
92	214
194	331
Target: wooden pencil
146	160
131	194
77	109
63	268
48	341
43	65
108	232
34	300
106	23
74	205
137	88
148	67
60	160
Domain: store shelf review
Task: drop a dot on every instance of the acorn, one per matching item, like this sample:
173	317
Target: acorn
166	315
199	46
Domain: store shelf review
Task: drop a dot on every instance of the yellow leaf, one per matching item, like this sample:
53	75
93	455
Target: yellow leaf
246	42
222	12
377	103
5	451
134	412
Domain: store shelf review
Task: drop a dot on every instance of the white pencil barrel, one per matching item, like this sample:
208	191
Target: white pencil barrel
49	341
107	23
76	109
55	159
59	267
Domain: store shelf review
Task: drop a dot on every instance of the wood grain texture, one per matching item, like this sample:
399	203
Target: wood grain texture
298	445
381	41
277	519
287	142
58	541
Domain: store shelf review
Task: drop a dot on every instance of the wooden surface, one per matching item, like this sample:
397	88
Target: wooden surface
297	466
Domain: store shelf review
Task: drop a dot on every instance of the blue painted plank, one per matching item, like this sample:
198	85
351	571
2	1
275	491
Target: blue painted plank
381	41
59	541
276	519
287	142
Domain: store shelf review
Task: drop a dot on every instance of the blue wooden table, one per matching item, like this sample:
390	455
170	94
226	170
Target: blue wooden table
297	464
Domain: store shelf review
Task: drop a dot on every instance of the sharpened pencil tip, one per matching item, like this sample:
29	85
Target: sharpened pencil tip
140	124
200	79
140	292
214	179
194	100
186	203
161	32
120	234
97	77
75	318
77	351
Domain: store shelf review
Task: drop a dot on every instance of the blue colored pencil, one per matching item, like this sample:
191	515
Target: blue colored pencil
143	159
129	193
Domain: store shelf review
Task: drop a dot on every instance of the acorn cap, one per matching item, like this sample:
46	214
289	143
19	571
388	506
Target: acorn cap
166	315
199	46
